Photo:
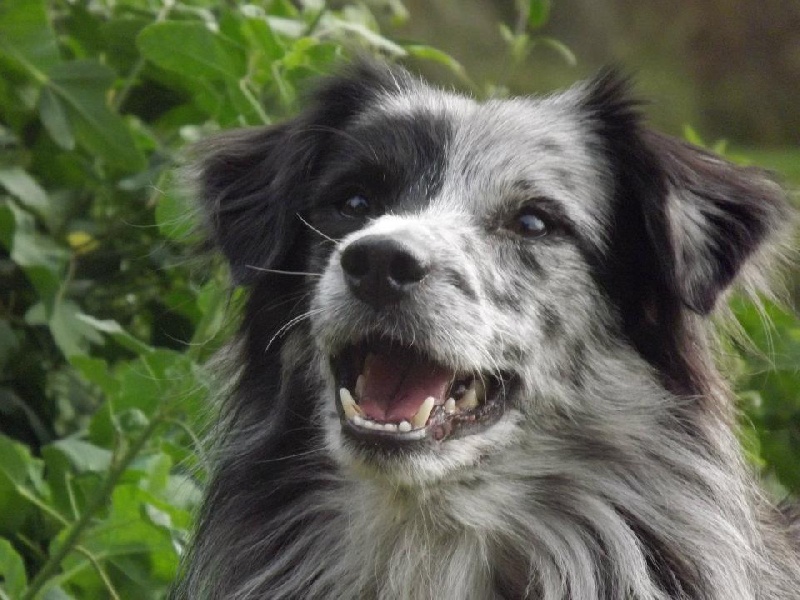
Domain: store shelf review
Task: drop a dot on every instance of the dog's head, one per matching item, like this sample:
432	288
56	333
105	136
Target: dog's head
471	265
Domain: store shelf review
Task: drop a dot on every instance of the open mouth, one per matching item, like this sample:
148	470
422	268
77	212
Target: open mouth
396	394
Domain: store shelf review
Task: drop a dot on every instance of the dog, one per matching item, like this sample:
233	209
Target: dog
476	359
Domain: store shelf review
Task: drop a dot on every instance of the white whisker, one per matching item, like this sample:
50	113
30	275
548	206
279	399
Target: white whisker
280	272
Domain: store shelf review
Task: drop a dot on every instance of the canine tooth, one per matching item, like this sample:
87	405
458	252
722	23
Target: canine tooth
404	427
469	400
348	404
450	406
480	389
360	382
419	419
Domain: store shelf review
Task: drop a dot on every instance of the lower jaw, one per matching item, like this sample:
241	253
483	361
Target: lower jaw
440	427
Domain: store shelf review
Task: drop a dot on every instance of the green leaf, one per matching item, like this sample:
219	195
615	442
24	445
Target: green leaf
125	533
12	570
538	13
438	56
41	259
193	50
24	187
378	42
27	35
692	136
151	380
29	248
53	592
83	456
115	330
261	37
560	48
82	87
16	466
54	119
96	371
70	331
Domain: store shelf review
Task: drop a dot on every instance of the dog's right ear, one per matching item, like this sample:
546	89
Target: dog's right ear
254	182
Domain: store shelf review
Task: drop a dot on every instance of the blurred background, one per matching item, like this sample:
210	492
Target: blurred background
730	68
108	318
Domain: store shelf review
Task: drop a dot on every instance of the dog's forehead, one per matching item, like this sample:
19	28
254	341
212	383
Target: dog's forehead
503	150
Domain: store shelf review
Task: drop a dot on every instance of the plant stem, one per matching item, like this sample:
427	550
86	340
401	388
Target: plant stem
100	499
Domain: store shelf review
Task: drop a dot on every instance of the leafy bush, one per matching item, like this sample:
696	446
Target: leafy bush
105	320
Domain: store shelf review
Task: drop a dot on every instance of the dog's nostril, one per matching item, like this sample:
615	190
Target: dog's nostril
355	261
405	268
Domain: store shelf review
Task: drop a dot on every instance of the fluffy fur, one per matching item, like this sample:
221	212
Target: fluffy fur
614	471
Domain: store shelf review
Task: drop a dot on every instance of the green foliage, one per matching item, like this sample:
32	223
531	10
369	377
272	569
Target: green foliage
106	320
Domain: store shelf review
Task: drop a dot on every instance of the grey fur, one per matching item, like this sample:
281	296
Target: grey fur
604	479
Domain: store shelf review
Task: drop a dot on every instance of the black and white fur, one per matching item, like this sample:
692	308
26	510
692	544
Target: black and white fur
614	471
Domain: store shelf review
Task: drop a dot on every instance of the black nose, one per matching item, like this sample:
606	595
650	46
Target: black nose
381	270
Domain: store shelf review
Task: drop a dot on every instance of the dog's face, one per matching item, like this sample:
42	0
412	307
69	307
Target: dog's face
471	265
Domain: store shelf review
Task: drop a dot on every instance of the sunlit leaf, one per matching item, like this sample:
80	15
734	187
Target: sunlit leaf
560	48
12	571
439	56
27	35
200	53
82	455
54	118
20	184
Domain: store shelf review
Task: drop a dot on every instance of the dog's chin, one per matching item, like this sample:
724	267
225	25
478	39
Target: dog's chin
426	464
412	418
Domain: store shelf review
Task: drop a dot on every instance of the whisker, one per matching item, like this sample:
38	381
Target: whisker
315	230
280	272
289	324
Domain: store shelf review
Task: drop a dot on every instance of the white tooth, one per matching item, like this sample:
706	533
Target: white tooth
419	419
348	404
357	420
480	389
373	425
360	386
469	400
390	427
404	427
450	406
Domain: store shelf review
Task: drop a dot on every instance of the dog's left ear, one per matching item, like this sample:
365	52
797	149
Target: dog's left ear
704	217
718	215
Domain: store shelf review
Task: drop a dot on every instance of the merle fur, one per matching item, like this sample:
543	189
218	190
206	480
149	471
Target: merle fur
266	499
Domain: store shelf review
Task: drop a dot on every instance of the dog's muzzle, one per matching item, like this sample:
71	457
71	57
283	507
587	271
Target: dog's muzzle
394	393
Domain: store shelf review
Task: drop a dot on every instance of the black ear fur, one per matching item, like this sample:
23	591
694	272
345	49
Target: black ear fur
717	216
703	216
253	182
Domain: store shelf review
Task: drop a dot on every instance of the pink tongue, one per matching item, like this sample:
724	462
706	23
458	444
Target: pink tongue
395	386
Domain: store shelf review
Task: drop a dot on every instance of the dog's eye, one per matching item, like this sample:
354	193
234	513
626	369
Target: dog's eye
527	223
355	207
